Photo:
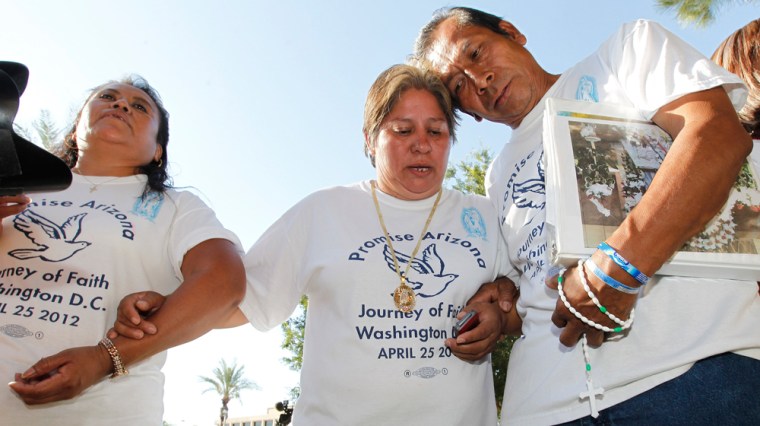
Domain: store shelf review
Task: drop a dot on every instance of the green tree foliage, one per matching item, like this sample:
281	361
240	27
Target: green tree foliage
228	381
295	392
500	360
46	133
698	12
46	129
469	176
294	329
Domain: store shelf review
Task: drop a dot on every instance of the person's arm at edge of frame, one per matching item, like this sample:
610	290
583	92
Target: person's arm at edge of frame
11	205
692	184
213	286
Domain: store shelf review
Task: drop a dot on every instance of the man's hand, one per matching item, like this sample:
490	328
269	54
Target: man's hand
618	303
502	291
63	375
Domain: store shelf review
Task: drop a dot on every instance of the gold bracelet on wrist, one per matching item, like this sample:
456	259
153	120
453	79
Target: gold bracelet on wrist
118	365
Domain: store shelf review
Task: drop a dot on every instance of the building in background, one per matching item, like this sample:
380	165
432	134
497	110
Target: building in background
268	419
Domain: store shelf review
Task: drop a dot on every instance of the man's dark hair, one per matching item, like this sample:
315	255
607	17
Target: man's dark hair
464	17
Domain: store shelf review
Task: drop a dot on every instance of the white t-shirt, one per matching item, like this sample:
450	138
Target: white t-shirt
67	261
678	320
364	361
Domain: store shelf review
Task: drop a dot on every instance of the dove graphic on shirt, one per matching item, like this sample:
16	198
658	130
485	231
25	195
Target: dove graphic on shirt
429	268
531	193
54	243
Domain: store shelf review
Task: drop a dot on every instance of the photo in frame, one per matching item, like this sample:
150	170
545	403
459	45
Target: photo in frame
601	159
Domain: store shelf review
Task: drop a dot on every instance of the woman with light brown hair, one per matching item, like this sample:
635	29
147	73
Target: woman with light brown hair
387	263
740	54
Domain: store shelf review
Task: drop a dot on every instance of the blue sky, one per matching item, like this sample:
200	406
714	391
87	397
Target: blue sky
266	103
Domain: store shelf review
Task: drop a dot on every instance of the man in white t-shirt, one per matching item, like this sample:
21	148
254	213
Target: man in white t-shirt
693	354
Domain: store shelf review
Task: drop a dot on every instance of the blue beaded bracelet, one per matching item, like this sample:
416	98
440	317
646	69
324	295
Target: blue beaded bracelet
621	262
617	285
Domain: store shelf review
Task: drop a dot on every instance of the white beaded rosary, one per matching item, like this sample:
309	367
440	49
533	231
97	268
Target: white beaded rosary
623	324
591	393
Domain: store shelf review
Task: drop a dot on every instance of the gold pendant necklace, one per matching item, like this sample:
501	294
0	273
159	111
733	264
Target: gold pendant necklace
403	296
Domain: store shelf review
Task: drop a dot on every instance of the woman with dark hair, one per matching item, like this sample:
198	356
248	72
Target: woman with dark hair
156	170
69	257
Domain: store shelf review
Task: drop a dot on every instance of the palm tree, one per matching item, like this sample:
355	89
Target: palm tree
46	133
228	382
46	129
699	12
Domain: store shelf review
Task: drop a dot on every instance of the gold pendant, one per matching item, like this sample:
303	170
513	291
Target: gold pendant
404	297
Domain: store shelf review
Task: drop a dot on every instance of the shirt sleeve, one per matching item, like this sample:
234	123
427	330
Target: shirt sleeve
655	67
194	222
275	270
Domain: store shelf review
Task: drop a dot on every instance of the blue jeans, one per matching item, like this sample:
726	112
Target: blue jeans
723	390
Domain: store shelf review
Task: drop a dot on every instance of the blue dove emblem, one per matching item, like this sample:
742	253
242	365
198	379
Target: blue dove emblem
53	243
430	267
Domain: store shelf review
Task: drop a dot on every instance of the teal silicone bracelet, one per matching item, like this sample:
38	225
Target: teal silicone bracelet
617	285
621	262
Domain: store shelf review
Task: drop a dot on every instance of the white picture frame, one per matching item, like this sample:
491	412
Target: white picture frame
599	159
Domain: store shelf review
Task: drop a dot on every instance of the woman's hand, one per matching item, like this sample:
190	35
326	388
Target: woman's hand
12	205
480	341
131	315
494	303
62	376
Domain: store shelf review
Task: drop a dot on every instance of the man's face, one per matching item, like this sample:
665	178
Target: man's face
491	76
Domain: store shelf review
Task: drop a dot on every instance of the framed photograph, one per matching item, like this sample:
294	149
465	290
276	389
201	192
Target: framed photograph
601	159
